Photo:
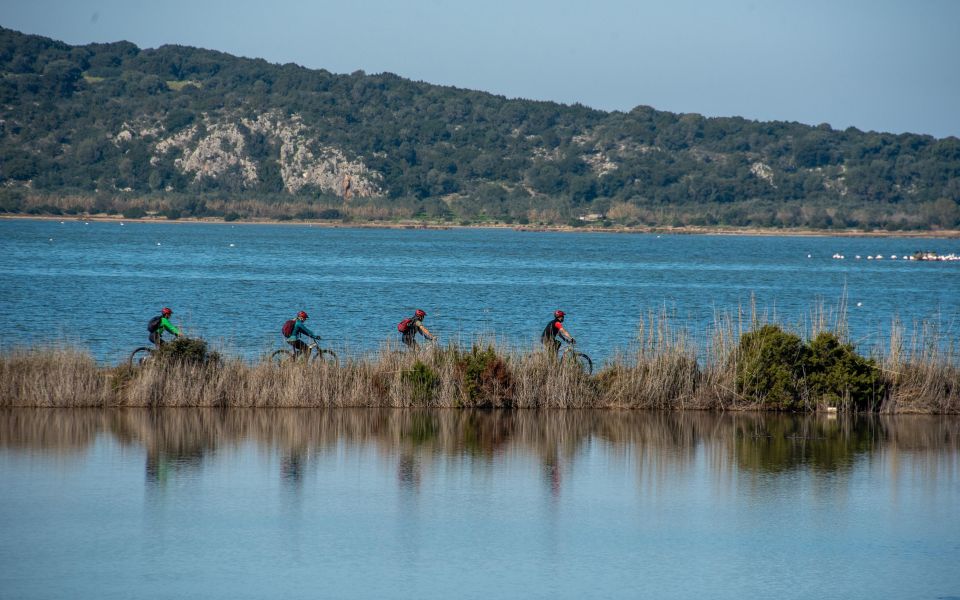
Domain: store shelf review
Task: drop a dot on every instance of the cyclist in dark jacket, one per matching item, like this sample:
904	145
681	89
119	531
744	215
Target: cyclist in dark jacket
552	331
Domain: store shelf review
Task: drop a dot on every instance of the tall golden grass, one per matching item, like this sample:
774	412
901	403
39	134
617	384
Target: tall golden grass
665	369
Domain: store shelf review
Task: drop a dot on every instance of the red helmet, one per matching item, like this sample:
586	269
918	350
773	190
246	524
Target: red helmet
558	314
419	314
166	311
302	315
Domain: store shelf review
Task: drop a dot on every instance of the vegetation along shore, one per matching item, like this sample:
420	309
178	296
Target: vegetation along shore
441	225
178	132
765	368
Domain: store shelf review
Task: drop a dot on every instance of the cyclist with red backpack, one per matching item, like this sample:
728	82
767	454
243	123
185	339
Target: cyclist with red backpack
293	329
159	324
409	327
553	330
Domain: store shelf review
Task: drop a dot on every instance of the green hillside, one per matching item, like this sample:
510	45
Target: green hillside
187	132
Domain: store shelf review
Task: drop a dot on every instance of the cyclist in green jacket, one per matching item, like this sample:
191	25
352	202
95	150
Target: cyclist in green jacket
160	324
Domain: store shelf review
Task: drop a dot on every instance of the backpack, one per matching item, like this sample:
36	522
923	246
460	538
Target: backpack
287	329
404	325
154	324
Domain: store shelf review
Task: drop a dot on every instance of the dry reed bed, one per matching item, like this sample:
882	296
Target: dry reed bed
663	372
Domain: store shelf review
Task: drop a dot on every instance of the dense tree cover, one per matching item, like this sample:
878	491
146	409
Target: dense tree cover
439	152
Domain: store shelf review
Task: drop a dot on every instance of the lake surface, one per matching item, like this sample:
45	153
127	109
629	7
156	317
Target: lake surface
462	504
97	284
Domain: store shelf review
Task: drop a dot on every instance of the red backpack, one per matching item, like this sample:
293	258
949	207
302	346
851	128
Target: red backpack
404	325
287	329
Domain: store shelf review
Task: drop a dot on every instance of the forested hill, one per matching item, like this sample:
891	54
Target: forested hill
184	131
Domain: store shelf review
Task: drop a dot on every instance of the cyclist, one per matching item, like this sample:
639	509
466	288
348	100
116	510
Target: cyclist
159	324
552	331
293	329
409	327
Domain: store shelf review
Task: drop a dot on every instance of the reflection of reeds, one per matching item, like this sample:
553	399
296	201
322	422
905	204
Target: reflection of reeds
666	370
657	441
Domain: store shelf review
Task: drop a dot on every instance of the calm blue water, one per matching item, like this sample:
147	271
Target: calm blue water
98	284
458	504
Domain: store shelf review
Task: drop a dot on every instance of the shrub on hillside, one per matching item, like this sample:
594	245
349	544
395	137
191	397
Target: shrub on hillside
134	212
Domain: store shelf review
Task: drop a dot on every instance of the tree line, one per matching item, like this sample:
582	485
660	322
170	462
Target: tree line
437	152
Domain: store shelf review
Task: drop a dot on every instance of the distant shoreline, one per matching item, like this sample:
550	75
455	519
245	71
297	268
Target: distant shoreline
434	225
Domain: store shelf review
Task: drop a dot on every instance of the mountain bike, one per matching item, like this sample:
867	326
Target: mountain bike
571	355
141	356
314	353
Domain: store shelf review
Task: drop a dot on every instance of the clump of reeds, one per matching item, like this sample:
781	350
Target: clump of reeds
922	372
666	369
662	372
52	377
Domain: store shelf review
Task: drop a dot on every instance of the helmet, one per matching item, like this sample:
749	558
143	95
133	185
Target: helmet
558	314
166	311
302	315
420	314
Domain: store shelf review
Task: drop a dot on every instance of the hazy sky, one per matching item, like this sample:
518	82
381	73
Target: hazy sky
885	65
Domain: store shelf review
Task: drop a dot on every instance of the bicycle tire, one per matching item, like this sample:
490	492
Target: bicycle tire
281	356
327	355
140	356
583	362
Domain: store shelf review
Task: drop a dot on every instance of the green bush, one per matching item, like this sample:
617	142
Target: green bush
134	212
184	350
779	371
838	376
422	380
486	379
770	365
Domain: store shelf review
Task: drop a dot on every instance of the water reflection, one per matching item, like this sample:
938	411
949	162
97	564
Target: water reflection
178	441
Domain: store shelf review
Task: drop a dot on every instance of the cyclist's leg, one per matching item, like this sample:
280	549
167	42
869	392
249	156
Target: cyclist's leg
299	348
552	347
409	338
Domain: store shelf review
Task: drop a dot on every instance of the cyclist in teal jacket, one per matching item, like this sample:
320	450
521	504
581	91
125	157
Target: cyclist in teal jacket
299	346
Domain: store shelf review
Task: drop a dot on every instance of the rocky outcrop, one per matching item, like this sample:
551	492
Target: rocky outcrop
763	172
218	147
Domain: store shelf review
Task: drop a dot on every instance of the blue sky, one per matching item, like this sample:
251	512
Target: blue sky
874	64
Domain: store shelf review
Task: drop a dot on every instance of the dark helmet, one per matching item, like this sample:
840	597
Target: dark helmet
558	314
419	314
302	315
166	311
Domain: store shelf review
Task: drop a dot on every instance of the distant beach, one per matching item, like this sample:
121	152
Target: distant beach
440	225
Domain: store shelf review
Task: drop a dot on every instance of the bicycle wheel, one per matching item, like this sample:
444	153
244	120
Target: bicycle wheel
584	361
140	356
581	360
326	356
281	356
